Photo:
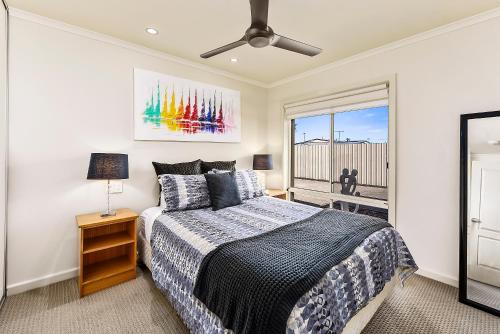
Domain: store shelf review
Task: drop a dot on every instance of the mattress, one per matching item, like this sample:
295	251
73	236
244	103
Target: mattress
148	217
181	239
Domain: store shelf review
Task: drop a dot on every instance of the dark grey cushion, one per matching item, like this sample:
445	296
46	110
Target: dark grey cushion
207	166
181	168
223	190
248	183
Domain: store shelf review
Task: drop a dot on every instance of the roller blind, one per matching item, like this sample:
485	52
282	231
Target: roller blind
366	97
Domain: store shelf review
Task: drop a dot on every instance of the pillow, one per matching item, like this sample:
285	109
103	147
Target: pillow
161	204
182	168
207	166
184	192
248	184
218	171
223	190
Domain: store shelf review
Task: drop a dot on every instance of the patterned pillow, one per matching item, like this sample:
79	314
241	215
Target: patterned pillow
248	184
207	166
184	192
181	168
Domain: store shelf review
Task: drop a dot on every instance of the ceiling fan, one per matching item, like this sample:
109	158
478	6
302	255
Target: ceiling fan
260	35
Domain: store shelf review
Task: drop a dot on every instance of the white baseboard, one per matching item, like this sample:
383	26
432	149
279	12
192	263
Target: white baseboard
16	288
41	281
438	277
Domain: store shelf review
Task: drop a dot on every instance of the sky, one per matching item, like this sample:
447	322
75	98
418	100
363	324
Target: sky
365	124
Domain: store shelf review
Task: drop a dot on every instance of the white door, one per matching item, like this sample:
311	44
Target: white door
484	223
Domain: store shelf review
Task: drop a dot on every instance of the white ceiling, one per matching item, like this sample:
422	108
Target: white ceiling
481	131
189	28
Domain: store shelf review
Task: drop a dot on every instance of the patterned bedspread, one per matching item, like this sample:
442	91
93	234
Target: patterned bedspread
181	239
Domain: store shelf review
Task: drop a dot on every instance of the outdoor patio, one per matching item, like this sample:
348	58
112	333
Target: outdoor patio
365	191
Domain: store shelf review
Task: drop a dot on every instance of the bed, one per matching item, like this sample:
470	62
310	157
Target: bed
343	301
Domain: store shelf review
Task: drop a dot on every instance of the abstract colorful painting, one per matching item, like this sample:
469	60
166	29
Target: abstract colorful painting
176	109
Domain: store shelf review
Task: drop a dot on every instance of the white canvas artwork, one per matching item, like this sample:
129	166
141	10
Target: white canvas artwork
176	109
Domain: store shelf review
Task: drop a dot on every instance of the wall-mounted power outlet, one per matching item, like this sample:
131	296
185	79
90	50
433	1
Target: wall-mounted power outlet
115	186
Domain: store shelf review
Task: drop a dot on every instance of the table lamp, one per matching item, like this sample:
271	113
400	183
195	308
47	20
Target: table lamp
108	166
262	162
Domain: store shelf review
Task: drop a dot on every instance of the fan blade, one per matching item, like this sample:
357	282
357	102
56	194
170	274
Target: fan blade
224	48
289	44
259	9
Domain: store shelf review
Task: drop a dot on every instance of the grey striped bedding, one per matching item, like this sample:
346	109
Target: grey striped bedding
181	239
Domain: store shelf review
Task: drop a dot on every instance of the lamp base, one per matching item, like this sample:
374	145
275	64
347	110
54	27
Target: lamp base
261	178
109	213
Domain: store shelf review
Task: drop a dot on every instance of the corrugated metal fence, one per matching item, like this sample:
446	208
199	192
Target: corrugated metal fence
370	159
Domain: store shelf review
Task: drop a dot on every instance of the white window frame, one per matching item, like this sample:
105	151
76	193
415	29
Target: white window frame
390	81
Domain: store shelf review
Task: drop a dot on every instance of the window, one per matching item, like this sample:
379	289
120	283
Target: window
360	143
311	157
339	155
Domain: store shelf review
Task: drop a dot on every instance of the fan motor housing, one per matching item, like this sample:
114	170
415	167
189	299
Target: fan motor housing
259	38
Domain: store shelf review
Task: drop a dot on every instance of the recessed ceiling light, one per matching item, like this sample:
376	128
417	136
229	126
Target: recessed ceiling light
494	142
152	31
234	60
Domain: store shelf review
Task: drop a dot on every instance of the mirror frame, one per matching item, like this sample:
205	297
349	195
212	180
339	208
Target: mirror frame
462	292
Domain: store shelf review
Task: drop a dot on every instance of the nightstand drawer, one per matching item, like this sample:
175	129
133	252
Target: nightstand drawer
107	282
106	263
108	236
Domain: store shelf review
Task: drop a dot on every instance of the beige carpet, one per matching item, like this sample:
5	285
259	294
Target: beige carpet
422	307
482	293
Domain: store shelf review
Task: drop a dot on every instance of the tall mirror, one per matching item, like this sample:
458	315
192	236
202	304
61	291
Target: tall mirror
480	211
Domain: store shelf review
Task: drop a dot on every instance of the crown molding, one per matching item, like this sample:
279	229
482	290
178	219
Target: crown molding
445	29
448	28
48	22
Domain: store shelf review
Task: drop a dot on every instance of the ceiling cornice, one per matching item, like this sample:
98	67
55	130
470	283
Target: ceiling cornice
457	25
448	28
45	21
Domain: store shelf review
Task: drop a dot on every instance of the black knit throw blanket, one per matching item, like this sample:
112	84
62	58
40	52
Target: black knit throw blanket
253	284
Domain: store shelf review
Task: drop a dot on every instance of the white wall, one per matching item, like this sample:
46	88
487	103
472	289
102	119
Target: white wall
437	80
72	95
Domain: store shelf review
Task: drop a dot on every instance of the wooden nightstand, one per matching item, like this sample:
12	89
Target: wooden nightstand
277	193
107	250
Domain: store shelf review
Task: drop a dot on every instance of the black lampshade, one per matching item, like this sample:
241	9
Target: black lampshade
262	162
108	166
